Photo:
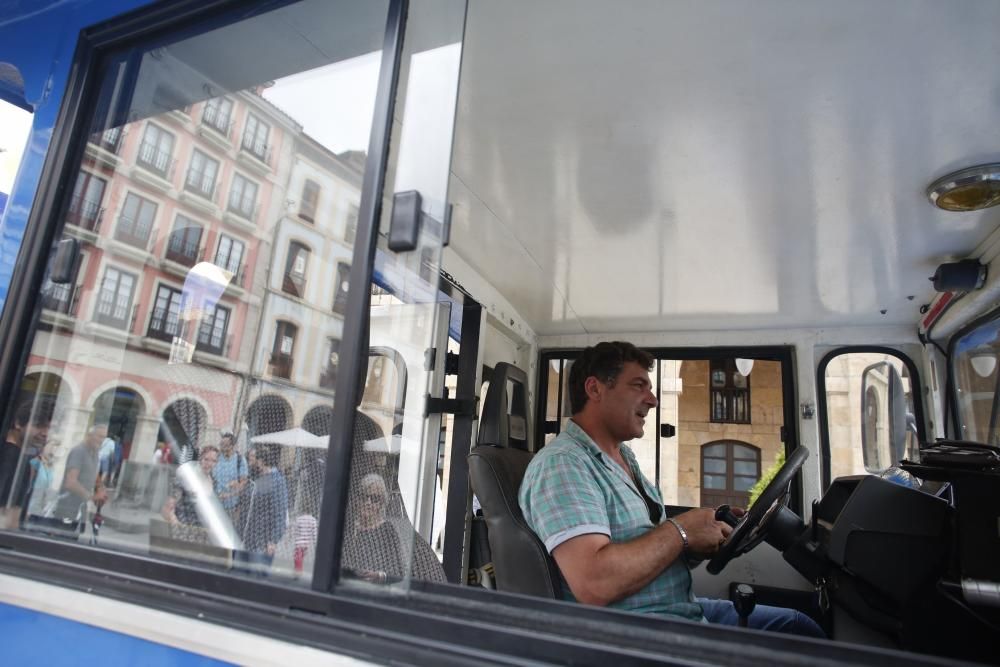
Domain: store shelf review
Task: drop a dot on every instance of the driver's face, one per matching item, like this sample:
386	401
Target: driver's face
625	403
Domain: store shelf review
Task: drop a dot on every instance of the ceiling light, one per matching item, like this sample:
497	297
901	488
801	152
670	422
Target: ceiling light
744	366
970	189
983	364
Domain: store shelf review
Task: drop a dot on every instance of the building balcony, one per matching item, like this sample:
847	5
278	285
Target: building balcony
85	214
154	168
199	193
209	358
180	116
102	157
239	222
254	155
130	249
280	366
245	207
216	129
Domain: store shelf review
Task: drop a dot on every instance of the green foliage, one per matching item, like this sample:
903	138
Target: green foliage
766	478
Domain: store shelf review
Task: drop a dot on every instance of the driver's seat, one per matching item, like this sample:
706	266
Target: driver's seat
496	467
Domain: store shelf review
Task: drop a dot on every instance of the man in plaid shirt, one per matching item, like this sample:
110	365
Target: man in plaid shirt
602	520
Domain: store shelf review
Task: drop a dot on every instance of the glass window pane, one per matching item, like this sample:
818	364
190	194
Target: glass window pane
397	499
714	481
743	483
745	468
716	451
194	375
714	465
744	452
849	377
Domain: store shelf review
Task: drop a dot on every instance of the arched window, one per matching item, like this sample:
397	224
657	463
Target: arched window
728	469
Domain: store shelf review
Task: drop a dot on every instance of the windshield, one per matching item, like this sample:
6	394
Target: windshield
974	370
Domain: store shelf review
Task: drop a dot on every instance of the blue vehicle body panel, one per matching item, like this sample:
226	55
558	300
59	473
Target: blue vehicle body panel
39	38
35	638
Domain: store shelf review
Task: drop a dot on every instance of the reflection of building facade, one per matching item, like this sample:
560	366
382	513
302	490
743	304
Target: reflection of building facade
231	182
305	294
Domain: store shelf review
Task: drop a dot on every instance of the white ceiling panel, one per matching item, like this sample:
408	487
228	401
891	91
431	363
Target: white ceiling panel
671	165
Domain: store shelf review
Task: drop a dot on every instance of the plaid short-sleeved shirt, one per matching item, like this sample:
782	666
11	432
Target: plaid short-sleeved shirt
572	488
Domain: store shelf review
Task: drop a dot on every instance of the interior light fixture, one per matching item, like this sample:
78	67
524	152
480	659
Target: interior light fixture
983	364
969	189
744	366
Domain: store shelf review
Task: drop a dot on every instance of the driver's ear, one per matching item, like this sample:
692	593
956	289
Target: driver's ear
594	388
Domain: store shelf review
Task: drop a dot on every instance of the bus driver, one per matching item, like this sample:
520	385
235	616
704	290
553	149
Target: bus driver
601	519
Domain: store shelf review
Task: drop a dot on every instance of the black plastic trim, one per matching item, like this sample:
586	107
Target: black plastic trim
463	431
354	342
824	418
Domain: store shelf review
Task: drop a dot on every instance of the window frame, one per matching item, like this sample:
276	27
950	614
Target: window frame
239	206
784	354
233	241
199	189
210	322
285	360
730	461
78	201
916	390
110	321
127	235
290	283
309	205
343	272
168	156
251	141
729	393
210	115
161	332
189	224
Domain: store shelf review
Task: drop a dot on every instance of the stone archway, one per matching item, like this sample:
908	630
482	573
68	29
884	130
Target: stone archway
268	414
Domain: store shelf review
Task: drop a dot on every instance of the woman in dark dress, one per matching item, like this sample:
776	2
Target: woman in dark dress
371	548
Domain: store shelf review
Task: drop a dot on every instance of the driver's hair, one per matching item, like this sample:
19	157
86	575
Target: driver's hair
605	362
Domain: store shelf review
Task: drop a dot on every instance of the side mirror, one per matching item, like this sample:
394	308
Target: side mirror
884	417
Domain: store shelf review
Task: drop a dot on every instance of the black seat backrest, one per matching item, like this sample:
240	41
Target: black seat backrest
496	467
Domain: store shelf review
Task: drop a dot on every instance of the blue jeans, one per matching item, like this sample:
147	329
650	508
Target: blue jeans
764	617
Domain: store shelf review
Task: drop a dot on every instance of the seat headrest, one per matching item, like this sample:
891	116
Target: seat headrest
504	419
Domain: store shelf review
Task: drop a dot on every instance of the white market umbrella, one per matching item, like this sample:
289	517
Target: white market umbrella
293	437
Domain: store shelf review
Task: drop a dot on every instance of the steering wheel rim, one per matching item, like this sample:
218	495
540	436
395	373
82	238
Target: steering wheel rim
752	528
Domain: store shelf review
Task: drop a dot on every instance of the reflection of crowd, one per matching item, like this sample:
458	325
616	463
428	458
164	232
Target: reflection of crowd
252	491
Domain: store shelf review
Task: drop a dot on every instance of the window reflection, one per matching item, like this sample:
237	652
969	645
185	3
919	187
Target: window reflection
179	385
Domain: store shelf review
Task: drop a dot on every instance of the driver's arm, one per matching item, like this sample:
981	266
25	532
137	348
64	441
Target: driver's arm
600	571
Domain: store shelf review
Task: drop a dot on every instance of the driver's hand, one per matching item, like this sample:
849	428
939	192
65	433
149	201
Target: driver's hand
705	534
738	512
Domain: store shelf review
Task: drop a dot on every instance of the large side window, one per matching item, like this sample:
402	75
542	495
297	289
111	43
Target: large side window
974	381
708	446
171	333
864	434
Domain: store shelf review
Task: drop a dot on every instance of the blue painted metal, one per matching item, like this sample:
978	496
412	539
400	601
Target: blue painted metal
39	37
34	638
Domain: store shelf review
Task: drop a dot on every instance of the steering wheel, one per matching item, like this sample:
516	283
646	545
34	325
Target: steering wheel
752	528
